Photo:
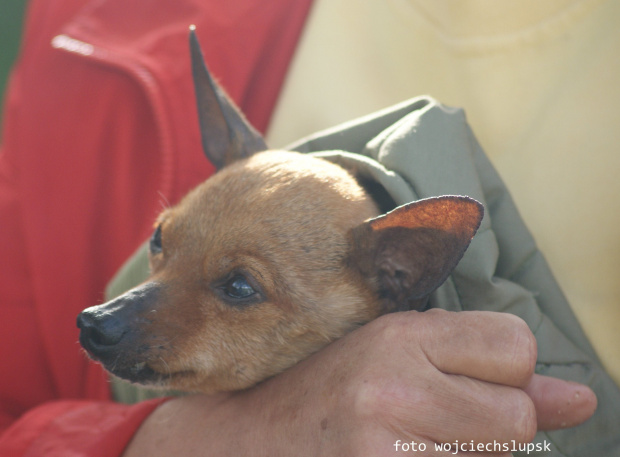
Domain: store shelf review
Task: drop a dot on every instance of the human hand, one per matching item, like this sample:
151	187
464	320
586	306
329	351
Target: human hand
424	378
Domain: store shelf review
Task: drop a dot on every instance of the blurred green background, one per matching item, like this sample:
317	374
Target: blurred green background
11	20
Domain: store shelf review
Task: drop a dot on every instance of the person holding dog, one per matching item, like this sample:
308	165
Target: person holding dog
66	232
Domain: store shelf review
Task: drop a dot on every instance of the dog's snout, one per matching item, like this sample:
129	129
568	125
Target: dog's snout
112	328
99	332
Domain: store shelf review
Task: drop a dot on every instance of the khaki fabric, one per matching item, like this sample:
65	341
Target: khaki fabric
420	149
539	82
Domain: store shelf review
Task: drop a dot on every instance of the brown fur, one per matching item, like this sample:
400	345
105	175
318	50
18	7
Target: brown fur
269	260
299	264
300	231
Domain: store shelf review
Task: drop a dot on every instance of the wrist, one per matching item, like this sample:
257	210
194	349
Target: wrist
180	426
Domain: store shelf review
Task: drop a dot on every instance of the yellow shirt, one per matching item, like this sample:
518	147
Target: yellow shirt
540	82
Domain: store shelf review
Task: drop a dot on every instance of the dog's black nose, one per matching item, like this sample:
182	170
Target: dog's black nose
99	331
112	328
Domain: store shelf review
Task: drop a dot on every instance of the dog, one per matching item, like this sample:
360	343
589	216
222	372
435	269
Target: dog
273	257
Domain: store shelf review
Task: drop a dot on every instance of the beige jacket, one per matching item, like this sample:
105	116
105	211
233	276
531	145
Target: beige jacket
539	83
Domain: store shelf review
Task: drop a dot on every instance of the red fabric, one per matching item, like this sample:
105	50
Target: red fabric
63	428
100	132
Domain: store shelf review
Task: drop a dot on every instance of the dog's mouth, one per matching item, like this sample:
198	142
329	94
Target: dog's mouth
125	353
139	373
144	374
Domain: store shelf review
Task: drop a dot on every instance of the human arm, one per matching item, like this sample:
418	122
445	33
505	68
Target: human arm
430	377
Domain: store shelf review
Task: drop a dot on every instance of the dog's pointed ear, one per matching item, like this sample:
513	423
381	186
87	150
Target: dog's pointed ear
226	134
409	252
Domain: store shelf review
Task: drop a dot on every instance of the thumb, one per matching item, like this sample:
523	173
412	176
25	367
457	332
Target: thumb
559	403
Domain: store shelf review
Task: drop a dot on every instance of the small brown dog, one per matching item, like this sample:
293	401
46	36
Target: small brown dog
269	260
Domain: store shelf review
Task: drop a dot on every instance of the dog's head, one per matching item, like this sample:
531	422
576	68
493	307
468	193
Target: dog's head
267	261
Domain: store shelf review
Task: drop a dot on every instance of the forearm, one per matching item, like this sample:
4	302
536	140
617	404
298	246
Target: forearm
267	420
409	377
193	425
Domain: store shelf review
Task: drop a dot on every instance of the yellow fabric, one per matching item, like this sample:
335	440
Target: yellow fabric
540	82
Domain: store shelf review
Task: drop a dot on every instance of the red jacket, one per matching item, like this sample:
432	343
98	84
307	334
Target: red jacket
101	131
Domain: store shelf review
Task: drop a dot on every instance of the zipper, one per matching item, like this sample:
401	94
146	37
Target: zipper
146	80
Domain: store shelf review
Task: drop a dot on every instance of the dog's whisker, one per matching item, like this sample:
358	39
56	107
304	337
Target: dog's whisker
167	367
166	344
240	371
163	201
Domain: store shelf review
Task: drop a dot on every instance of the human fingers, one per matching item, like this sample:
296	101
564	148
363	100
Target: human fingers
387	381
493	347
455	408
559	403
435	381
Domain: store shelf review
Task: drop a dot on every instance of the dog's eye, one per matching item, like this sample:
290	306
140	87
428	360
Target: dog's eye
238	287
155	241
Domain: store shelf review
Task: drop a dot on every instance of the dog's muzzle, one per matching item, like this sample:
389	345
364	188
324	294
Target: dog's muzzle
112	333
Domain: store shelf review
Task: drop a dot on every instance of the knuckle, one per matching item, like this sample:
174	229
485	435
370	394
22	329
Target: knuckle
391	328
434	316
379	400
367	400
525	423
524	350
